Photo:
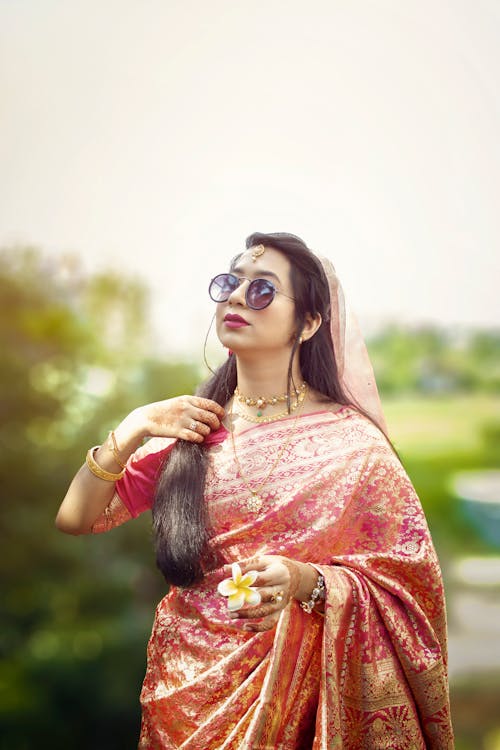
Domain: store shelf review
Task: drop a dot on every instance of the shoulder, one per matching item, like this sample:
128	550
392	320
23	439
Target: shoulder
347	420
153	450
354	437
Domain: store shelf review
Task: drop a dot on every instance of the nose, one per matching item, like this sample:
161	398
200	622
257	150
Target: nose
237	297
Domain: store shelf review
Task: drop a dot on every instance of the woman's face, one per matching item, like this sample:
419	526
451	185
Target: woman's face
245	330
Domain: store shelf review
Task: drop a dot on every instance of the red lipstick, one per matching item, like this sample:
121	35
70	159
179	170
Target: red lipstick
234	321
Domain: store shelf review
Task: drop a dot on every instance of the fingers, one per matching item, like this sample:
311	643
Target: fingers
267	623
207	411
191	433
199	427
268	567
271	568
204	415
201	416
273	601
274	595
276	585
277	596
208	405
253	613
187	417
259	562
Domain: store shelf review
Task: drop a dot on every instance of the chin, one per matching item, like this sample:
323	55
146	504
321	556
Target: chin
232	339
232	343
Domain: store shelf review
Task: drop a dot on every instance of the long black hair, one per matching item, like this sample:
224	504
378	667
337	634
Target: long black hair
180	519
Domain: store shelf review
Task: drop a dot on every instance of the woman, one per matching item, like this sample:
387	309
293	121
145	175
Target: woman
330	631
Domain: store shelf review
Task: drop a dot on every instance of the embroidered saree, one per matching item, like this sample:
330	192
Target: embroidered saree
369	674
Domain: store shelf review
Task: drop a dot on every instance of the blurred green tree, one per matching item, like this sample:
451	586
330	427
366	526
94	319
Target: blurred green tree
76	612
431	359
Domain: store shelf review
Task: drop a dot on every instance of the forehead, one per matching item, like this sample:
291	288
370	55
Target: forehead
270	260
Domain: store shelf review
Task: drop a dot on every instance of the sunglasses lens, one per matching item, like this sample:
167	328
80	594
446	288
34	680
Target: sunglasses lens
260	294
222	286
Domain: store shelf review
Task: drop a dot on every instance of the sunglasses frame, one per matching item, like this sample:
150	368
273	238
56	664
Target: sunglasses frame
240	279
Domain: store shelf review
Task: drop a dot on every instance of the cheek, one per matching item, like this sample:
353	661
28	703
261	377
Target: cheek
283	327
219	320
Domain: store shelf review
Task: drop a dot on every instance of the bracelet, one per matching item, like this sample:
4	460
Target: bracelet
96	470
114	449
317	593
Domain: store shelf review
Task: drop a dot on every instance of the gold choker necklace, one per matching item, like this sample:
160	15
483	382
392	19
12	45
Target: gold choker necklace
273	417
261	401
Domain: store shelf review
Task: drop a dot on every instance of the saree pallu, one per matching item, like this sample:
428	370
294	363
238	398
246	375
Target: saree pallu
369	674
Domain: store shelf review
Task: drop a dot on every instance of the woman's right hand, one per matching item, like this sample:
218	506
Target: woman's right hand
189	418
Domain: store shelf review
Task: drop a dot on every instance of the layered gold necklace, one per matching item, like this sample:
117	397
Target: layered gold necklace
255	501
261	402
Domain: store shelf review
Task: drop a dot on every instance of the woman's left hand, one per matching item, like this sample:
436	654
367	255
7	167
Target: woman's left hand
279	580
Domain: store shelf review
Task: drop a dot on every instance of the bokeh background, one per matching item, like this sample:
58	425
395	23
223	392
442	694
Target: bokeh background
140	142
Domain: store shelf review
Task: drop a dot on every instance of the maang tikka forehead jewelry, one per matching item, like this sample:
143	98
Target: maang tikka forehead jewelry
257	252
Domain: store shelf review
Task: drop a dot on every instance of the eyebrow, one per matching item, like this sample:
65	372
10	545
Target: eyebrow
258	275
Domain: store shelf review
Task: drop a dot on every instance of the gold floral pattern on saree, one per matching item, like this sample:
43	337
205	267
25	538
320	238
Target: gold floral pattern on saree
369	675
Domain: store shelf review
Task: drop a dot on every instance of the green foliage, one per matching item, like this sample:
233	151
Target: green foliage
76	612
433	360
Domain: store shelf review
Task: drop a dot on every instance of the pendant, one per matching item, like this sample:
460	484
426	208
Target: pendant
254	502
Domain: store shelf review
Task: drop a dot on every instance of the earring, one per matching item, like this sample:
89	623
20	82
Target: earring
301	339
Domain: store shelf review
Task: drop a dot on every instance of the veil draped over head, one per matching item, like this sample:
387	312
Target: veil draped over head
354	367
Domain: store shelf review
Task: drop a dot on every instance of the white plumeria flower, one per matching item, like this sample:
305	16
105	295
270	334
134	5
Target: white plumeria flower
239	589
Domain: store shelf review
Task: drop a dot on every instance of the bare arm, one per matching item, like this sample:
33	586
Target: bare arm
88	495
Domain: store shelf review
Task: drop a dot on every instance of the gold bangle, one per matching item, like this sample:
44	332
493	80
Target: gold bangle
96	469
114	449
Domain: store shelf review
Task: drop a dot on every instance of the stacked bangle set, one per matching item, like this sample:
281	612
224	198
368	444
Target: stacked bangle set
96	470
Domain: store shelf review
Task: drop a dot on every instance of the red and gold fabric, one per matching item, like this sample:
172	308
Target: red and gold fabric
369	674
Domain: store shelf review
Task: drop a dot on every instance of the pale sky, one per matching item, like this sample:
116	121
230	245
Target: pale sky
153	136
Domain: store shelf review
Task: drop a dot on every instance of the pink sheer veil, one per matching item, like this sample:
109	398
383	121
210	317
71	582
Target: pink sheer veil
354	367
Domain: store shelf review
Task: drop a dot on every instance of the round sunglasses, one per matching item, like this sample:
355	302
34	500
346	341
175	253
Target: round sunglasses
258	294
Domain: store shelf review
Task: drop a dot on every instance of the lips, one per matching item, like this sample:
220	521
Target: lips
234	321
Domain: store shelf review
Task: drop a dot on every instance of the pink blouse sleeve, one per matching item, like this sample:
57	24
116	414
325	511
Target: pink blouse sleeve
136	489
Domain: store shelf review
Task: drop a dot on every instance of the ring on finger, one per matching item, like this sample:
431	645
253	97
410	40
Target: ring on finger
193	425
278	597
